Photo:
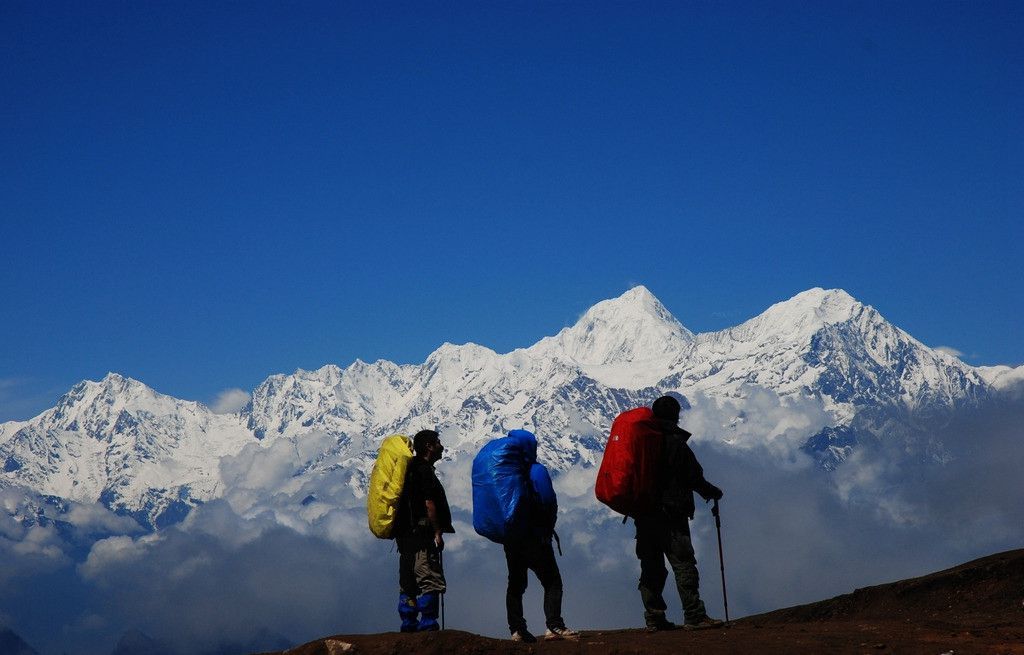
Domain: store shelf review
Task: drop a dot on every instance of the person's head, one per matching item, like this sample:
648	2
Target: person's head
666	409
427	444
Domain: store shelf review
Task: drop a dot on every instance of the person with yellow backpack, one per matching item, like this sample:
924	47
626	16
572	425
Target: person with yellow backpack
417	516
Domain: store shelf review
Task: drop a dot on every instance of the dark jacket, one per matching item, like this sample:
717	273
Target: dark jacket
680	475
421	485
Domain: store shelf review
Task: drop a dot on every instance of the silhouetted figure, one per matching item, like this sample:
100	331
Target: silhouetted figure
665	532
534	552
419	535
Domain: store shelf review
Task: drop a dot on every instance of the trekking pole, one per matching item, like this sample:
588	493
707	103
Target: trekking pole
440	556
721	560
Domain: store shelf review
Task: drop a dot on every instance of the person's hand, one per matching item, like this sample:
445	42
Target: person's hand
439	541
716	493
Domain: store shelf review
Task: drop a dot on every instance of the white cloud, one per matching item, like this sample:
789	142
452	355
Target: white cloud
792	534
111	551
947	350
95	518
230	401
759	419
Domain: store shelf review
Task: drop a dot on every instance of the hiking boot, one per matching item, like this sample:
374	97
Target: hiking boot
661	625
524	636
428	605
703	624
554	634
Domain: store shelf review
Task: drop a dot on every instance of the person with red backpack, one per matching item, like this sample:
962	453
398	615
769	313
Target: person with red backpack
663	531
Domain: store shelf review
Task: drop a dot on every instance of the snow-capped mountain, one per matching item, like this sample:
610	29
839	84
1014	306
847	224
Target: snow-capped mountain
1003	378
121	443
828	344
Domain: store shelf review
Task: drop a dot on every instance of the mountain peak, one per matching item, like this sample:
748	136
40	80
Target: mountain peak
809	309
634	327
638	294
112	385
828	302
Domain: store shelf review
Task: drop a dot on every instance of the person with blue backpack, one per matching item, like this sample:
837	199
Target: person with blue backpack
514	504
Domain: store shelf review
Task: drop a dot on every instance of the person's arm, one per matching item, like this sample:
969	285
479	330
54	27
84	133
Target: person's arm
434	525
695	477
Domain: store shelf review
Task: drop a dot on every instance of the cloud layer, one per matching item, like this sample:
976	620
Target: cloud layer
291	556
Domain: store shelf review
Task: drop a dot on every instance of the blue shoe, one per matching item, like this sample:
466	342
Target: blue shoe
428	605
408	611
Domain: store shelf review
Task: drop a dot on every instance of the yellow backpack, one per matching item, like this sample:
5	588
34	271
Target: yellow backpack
386	482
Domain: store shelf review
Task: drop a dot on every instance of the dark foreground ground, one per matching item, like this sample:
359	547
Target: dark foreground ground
977	607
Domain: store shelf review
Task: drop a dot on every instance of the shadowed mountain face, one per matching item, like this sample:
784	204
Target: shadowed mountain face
855	376
977	607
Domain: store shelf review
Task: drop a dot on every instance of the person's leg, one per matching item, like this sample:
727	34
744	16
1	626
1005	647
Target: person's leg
650	537
544	565
517	583
431	582
407	588
684	566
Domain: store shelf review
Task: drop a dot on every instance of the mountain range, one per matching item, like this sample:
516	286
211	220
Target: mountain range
153	457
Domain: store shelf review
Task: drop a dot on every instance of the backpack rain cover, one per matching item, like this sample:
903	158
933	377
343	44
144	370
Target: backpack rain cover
501	484
627	479
386	483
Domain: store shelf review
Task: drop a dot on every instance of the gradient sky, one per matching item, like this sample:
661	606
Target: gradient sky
199	195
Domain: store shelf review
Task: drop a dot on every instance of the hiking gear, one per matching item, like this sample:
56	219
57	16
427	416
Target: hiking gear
543	508
658	623
721	559
554	634
628	476
524	636
658	538
421	485
501	482
703	624
428	605
532	554
386	483
409	613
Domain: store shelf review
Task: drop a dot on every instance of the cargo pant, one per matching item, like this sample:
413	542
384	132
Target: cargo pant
658	537
534	554
419	566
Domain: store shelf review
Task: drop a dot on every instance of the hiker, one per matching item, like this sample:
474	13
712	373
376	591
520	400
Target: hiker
665	531
419	535
532	550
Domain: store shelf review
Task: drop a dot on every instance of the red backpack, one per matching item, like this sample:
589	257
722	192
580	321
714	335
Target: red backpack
627	479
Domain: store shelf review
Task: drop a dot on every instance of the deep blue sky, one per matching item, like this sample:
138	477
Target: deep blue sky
201	194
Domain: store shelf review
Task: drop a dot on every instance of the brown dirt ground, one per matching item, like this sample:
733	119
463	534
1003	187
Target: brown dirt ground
977	607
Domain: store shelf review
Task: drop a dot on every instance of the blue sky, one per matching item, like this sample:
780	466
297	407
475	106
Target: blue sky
199	195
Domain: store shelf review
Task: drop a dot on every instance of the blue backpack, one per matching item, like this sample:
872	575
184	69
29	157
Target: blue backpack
506	477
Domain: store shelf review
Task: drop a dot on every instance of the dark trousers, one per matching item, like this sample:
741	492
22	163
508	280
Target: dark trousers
657	538
536	555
